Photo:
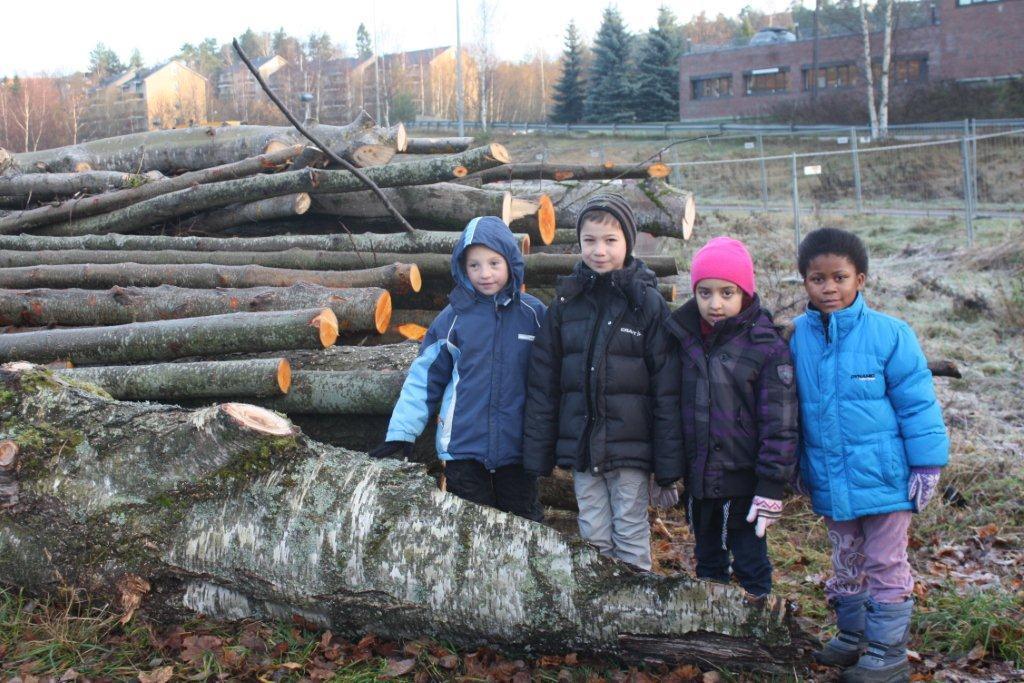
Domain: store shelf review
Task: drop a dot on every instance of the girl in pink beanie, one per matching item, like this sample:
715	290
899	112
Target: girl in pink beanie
739	415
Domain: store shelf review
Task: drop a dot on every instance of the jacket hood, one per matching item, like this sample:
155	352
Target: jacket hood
686	319
490	232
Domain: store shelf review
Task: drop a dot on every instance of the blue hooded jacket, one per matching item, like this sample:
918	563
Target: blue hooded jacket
472	366
868	411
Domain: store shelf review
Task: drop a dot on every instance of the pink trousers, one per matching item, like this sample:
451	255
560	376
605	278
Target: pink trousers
870	553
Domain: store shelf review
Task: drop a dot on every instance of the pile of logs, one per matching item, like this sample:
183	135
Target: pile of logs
182	249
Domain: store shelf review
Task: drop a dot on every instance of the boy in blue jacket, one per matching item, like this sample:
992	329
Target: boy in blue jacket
471	372
873	445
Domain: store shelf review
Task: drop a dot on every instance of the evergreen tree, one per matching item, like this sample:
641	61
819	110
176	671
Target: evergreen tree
135	61
610	89
569	90
104	62
364	45
657	96
252	44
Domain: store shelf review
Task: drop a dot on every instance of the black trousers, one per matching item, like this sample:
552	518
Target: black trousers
509	488
721	531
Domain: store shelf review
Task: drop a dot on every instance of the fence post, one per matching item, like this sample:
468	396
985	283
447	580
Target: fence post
856	169
974	164
796	206
677	170
965	155
764	172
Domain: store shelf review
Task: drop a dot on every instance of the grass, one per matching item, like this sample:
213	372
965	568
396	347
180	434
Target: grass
955	622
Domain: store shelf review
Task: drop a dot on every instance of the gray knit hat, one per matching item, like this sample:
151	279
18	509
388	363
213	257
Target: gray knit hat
615	205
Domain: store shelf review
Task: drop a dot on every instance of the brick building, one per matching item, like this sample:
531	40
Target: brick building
961	40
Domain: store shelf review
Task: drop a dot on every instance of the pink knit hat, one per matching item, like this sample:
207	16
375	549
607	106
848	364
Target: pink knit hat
724	258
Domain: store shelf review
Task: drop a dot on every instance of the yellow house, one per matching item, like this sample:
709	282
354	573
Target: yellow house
170	95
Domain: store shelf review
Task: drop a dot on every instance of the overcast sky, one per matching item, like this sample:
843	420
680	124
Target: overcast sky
56	36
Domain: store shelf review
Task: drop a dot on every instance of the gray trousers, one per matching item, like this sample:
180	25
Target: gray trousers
613	513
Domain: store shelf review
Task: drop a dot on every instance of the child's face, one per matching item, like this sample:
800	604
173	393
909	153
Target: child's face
718	299
486	269
832	282
603	246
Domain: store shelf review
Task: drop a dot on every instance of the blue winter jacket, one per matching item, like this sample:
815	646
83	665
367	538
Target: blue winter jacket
472	366
867	409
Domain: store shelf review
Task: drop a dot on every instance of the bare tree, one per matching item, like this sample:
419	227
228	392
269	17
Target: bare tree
879	117
485	59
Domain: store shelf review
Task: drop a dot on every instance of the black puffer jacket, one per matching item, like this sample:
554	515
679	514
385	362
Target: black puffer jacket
603	389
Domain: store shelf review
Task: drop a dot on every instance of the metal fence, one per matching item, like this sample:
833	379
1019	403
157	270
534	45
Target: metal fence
971	175
720	127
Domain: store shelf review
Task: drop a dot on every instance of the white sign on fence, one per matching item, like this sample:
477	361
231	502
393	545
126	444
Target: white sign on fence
812	170
594	153
864	139
748	145
843	141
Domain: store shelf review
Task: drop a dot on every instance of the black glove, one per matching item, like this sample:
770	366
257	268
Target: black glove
391	449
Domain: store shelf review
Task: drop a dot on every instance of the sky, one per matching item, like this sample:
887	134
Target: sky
56	36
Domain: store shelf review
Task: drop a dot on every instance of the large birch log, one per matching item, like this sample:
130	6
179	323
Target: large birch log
84	207
660	209
357	310
419	242
191	149
397	278
560	172
230	512
437	145
167	339
42	186
311	180
268	209
188	381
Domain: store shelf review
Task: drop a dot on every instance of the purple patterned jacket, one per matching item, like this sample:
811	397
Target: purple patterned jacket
739	404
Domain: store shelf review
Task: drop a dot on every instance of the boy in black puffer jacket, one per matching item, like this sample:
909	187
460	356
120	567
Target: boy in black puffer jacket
603	387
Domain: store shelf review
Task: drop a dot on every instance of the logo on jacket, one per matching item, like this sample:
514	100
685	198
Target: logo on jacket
635	333
785	373
864	378
526	337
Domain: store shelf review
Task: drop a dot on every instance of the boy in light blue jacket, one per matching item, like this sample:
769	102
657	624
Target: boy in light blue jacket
471	373
873	444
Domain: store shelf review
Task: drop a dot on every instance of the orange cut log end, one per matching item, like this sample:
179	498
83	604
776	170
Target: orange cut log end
415	279
658	170
499	153
524	244
412	331
460	171
546	219
327	323
382	312
284	375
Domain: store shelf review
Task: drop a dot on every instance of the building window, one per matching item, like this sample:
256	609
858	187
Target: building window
835	77
712	87
965	3
765	81
902	70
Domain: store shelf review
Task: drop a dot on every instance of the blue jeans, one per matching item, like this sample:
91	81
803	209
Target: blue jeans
749	561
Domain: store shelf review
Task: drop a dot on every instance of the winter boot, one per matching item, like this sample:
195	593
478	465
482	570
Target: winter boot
846	647
886	628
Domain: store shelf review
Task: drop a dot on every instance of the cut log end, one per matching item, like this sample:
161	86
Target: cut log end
368	156
689	217
460	171
276	146
525	245
670	295
401	138
658	170
258	419
412	331
302	203
506	208
82	167
609	165
546	222
284	375
8	454
499	152
414	277
382	312
327	323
